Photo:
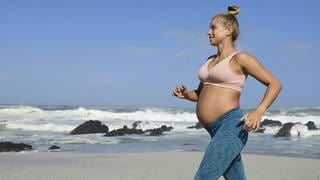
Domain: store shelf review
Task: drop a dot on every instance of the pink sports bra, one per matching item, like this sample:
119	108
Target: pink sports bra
221	75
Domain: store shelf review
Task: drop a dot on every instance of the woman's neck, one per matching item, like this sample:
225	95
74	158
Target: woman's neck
225	49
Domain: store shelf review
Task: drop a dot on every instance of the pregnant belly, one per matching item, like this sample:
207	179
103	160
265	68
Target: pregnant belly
215	101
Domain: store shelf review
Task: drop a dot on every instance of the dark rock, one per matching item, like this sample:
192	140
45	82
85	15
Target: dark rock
127	131
260	130
54	147
285	130
90	127
311	125
15	147
123	131
270	122
135	124
159	131
197	126
115	133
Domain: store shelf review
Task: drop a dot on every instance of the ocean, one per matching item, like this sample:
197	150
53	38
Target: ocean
44	126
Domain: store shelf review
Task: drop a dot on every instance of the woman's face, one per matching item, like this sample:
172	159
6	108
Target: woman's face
217	32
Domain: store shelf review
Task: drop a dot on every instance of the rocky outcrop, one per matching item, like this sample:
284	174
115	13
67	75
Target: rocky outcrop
54	147
159	131
127	131
285	130
260	130
197	126
311	125
124	131
135	124
270	122
90	127
14	147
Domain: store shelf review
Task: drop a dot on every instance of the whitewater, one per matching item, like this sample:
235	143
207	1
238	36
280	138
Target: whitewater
42	126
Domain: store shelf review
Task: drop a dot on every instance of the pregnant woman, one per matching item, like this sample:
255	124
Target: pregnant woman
222	77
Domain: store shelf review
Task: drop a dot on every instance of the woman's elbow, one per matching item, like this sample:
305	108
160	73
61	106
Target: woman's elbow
278	85
274	84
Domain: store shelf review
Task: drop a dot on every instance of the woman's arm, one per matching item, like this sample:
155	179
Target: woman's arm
251	66
183	93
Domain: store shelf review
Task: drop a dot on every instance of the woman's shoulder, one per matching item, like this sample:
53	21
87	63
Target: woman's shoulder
242	54
242	57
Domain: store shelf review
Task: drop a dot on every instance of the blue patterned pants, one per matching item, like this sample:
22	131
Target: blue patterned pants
222	157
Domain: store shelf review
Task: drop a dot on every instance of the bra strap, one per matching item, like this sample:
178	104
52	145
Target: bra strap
230	57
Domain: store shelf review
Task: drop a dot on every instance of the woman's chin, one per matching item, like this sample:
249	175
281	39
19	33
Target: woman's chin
213	44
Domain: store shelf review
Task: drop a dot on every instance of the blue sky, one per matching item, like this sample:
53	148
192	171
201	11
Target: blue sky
133	53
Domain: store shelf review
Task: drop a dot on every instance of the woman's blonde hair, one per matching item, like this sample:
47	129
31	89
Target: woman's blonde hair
229	19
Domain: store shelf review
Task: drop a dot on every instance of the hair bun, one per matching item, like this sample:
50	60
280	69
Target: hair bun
234	10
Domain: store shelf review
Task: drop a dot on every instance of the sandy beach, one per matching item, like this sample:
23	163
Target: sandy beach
143	166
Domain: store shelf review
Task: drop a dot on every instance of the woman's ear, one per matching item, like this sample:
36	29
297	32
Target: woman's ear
229	31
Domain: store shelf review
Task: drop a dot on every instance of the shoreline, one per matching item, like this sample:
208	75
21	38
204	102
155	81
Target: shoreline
139	166
44	126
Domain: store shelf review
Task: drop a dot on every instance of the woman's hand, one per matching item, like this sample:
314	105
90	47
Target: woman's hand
252	120
180	92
